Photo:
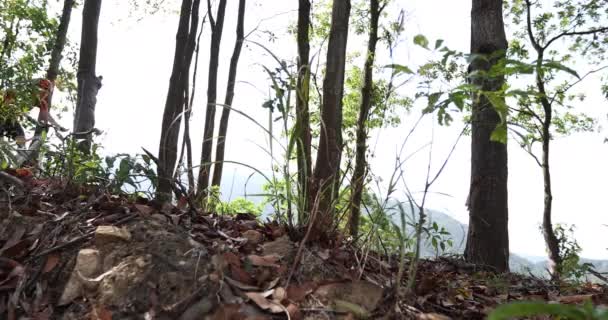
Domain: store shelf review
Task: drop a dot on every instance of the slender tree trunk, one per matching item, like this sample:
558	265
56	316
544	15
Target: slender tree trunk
303	153
88	82
327	168
358	179
223	130
56	54
488	238
217	26
184	50
547	226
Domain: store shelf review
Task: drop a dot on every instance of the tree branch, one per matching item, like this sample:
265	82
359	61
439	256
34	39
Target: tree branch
575	33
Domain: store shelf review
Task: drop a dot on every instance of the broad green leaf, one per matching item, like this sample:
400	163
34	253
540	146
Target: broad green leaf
499	134
438	43
558	66
523	309
398	68
422	41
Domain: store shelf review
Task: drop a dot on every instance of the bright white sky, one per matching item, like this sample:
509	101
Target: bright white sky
135	60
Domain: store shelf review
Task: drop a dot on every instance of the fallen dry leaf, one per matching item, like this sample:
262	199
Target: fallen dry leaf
260	299
575	299
264	261
51	262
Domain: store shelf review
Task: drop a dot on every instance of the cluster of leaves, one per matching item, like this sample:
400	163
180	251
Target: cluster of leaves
119	174
571	267
236	206
27	33
560	311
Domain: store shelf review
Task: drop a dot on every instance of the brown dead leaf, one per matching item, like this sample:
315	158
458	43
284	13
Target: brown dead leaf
18	250
264	261
241	275
144	209
294	312
240	285
297	293
580	298
14	239
51	262
260	300
101	313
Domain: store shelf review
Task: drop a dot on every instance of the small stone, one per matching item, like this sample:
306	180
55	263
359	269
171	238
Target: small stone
110	234
88	265
253	237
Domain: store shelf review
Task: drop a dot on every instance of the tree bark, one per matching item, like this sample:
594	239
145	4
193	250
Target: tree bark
359	173
327	167
488	238
303	134
547	226
56	55
184	50
88	82
223	130
217	27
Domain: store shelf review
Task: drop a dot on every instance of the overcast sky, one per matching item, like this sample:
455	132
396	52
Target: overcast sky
135	59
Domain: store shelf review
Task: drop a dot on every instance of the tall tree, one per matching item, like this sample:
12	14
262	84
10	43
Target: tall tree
56	54
544	106
223	130
184	50
303	132
488	238
217	27
327	168
88	82
359	173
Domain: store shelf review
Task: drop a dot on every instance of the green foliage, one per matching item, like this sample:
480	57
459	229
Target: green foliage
236	206
119	174
569	251
559	311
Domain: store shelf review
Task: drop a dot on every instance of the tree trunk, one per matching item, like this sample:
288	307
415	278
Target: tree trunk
547	226
223	130
488	238
56	55
327	167
184	50
214	56
359	172
303	134
88	82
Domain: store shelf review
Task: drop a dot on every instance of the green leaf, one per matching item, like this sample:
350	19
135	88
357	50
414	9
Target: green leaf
398	68
558	66
422	41
499	134
523	309
438	43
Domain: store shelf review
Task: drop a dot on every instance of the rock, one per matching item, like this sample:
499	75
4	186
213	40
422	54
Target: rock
253	237
361	293
110	234
88	265
115	287
282	247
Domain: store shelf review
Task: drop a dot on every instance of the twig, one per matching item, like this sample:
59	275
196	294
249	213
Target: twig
12	180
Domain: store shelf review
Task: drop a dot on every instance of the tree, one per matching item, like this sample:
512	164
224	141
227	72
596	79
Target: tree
217	26
302	126
327	168
56	54
184	50
488	238
223	130
88	82
358	178
542	105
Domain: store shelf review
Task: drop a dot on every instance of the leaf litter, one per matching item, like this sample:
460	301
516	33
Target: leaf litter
87	254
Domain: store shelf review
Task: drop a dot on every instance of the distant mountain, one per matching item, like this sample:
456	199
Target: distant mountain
458	233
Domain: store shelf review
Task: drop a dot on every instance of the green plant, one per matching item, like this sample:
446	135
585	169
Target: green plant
559	311
569	250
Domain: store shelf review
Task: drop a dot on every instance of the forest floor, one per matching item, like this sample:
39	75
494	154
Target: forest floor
76	254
